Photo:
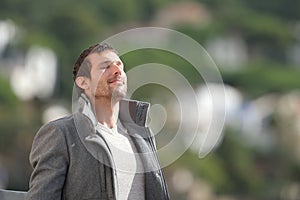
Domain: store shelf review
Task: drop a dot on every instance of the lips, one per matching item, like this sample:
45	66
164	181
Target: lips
115	80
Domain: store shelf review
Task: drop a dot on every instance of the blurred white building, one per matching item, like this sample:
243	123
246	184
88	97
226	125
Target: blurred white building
37	77
229	52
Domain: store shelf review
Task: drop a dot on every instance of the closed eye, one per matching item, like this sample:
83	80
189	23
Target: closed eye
108	63
105	64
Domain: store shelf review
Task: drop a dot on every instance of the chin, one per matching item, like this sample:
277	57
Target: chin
118	95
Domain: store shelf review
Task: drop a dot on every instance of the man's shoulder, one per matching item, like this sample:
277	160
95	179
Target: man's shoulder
70	122
62	124
62	121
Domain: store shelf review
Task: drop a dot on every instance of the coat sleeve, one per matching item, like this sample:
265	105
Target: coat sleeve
49	159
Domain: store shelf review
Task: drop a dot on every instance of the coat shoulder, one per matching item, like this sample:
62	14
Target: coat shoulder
63	123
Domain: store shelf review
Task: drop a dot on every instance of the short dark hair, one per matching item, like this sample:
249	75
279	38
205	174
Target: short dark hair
82	67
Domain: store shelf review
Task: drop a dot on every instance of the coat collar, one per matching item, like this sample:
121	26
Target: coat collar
130	111
132	114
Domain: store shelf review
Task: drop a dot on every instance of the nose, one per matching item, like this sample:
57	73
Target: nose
117	67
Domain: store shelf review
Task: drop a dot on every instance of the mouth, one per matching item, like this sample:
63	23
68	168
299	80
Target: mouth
116	80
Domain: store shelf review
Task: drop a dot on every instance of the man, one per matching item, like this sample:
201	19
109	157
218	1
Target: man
103	150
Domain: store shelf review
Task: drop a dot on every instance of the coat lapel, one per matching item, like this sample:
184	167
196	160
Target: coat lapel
92	141
141	138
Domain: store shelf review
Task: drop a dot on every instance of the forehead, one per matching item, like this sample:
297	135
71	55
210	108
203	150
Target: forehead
98	57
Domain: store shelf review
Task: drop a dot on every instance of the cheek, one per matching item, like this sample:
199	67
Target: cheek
98	78
101	82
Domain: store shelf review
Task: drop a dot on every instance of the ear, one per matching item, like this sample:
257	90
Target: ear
82	82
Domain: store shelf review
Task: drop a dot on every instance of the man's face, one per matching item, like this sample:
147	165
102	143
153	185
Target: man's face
108	79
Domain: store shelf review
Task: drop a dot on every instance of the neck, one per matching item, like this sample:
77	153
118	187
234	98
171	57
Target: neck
106	111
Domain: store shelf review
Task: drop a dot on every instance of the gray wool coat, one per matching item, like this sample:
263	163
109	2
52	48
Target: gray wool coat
71	161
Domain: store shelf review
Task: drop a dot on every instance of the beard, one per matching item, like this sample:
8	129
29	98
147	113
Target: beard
119	92
115	93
